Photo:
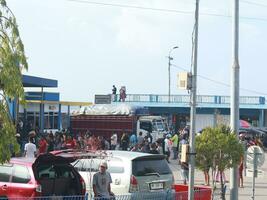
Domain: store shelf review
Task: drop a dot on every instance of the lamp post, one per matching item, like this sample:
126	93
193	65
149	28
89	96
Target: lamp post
169	72
234	104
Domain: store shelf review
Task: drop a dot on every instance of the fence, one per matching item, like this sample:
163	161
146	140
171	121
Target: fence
185	99
164	195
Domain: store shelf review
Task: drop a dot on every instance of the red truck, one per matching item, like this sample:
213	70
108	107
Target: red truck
118	120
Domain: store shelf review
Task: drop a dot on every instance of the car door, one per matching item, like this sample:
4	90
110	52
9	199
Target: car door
120	179
20	182
5	176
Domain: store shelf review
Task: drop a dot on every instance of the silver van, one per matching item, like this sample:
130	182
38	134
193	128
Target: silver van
130	171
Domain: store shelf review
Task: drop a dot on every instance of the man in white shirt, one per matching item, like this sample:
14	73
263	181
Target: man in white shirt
30	149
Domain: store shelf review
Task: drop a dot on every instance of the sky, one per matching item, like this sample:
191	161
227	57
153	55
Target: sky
88	46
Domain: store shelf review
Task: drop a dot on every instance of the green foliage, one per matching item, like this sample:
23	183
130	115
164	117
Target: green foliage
8	143
218	148
12	61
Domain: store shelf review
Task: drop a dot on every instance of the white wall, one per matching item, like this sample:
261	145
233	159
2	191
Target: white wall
203	120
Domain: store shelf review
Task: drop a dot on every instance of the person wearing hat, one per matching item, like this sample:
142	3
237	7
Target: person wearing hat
101	182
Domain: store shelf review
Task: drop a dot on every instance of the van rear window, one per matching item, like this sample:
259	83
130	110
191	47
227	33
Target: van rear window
148	166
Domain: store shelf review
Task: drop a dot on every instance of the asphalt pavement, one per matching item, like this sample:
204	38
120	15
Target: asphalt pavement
243	193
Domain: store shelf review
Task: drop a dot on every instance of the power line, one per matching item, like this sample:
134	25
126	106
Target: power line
132	6
254	3
221	83
164	10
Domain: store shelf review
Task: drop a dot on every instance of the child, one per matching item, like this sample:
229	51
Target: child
184	172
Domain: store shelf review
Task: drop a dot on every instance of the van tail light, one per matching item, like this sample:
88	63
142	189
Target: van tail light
133	184
83	185
38	188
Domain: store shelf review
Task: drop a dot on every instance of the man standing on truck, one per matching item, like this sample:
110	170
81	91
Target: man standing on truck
101	183
114	92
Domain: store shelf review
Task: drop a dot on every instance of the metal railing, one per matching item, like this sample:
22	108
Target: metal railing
161	195
203	99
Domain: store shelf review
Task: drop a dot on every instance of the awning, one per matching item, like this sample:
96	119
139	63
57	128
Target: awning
33	81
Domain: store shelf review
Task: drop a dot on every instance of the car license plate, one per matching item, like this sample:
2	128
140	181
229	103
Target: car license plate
156	186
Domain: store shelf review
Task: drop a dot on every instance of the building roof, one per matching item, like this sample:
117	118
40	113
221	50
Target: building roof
34	81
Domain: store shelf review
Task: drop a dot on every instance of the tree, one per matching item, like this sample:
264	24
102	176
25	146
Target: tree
12	62
218	148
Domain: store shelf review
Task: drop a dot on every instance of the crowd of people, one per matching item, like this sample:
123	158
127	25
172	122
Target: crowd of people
49	141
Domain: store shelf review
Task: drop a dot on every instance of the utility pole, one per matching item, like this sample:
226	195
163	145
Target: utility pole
169	72
193	100
169	79
235	96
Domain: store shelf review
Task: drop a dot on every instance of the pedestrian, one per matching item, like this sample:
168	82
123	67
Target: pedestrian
42	145
51	142
167	147
107	145
59	142
30	149
123	93
175	145
240	169
114	141
140	138
218	175
114	93
183	141
207	175
150	138
18	138
70	142
135	148
184	172
102	142
146	144
153	149
133	140
124	141
101	183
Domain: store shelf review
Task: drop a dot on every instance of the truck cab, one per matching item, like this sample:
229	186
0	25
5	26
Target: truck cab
155	125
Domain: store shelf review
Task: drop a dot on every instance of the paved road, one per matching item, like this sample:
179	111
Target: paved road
244	193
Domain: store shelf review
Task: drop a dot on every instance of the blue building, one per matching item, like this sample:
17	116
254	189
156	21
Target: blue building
43	110
211	110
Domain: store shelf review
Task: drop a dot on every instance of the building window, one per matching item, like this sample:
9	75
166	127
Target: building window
51	120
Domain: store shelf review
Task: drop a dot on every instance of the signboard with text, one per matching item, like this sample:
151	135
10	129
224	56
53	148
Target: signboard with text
102	99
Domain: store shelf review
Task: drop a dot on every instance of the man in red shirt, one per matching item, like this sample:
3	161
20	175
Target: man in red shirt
70	143
42	145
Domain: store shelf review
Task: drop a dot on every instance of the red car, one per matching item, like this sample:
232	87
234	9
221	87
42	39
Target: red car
46	175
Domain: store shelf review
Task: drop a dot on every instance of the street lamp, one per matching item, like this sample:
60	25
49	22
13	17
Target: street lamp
169	71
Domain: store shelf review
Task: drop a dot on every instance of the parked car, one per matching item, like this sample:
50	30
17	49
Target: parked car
43	176
130	171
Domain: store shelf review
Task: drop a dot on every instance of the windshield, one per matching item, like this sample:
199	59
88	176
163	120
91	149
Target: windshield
159	125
